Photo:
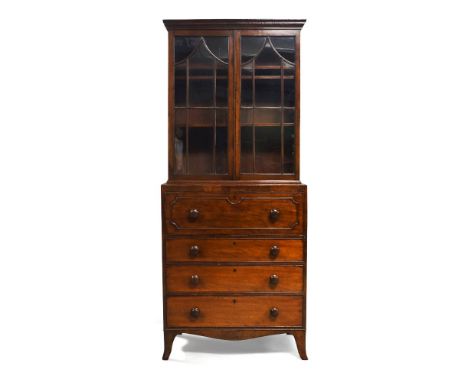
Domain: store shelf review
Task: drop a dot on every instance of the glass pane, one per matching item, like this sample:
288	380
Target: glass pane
201	117
221	117
218	46
221	142
201	92
180	85
200	158
221	84
247	85
184	46
221	150
289	149
246	150
268	57
268	89
267	116
180	117
289	93
201	76
267	71
246	117
285	46
268	92
268	149
250	47
201	98
289	115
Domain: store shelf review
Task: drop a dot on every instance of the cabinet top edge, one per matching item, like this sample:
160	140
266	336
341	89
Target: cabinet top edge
234	24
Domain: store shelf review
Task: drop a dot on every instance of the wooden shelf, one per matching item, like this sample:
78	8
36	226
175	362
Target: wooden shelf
264	124
202	107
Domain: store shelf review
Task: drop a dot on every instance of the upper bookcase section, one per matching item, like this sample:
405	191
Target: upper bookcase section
205	24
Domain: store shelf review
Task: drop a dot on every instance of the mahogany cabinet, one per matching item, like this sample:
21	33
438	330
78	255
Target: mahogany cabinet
234	212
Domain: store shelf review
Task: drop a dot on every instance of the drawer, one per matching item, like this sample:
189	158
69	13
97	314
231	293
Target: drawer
234	250
198	213
247	278
234	311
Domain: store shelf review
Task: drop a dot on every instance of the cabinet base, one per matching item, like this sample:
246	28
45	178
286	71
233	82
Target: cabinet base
235	335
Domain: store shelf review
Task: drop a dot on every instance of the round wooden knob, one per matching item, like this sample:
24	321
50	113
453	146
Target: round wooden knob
193	214
194	251
274	214
274	280
274	312
274	251
194	280
195	312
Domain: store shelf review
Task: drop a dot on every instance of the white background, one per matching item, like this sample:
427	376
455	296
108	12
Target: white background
83	132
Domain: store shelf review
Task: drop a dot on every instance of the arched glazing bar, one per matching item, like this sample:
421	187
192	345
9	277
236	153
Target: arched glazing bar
284	48
185	47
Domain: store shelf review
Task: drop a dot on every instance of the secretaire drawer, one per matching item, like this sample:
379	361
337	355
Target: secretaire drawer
236	278
234	311
187	213
233	250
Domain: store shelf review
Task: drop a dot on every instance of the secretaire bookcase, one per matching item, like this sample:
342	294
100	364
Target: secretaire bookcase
234	212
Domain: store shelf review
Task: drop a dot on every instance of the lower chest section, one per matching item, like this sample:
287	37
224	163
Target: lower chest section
234	259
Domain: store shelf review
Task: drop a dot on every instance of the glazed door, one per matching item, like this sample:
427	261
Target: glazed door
201	104
267	104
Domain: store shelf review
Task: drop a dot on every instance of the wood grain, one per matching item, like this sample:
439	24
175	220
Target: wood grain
233	212
234	311
235	278
233	250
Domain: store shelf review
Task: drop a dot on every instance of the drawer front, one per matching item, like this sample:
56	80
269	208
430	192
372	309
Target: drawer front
231	214
234	311
233	250
247	278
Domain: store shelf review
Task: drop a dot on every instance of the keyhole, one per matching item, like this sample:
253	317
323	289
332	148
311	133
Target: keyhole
234	301
234	270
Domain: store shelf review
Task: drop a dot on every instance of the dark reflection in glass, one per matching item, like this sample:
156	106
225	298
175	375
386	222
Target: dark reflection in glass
264	72
221	117
221	150
246	99
221	85
183	46
268	88
268	92
201	72
201	90
200	150
246	165
180	85
289	93
289	149
285	46
268	57
289	115
268	149
251	46
201	93
246	83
